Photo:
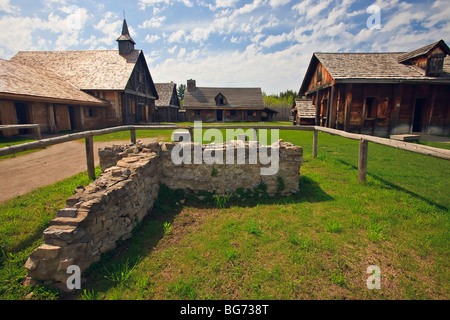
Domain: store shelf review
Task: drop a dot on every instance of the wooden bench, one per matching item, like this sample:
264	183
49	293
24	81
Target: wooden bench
406	137
36	127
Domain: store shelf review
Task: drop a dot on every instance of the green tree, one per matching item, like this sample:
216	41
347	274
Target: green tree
180	91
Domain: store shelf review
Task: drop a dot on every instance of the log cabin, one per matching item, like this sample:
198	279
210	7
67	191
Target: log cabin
382	93
77	90
211	104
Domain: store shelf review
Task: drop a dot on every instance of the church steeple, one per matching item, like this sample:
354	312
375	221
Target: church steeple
126	43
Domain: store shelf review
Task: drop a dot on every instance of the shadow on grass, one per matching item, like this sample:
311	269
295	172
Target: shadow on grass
154	227
399	188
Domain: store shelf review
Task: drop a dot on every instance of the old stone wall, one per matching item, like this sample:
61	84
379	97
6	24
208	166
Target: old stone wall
232	166
107	210
96	217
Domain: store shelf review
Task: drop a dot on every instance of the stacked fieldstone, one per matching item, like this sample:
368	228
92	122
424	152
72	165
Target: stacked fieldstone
96	217
107	210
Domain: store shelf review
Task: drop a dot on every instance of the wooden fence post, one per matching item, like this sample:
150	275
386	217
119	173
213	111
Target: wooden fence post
362	161
315	136
90	156
133	136
37	132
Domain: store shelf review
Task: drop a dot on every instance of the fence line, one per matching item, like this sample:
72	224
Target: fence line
363	145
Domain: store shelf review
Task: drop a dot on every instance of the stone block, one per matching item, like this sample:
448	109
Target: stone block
67	212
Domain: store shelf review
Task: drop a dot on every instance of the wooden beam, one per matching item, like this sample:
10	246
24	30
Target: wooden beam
89	142
407	146
396	104
315	138
362	160
432	103
348	106
333	110
133	135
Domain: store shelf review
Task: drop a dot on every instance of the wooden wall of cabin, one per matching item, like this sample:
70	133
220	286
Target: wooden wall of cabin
8	116
320	77
439	115
137	109
92	117
62	117
113	113
374	110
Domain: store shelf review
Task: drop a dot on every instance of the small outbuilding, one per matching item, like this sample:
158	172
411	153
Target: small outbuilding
305	112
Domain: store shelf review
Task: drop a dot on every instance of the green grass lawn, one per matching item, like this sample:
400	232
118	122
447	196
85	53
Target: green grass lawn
316	244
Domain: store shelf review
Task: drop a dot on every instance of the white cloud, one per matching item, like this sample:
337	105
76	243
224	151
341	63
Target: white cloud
181	53
143	4
110	27
225	3
7	7
172	50
273	40
177	36
154	22
278	3
152	38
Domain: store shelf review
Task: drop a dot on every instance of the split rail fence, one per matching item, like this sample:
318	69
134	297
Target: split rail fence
363	141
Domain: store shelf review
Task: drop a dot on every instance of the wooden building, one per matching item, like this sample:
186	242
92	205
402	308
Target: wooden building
35	95
304	112
168	104
382	93
111	87
210	104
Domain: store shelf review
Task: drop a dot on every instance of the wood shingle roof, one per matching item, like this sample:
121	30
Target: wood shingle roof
33	82
165	93
382	66
305	108
86	70
237	98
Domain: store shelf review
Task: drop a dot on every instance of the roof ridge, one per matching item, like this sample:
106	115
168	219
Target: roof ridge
396	52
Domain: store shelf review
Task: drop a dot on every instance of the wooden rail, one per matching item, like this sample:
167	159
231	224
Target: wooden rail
363	145
36	127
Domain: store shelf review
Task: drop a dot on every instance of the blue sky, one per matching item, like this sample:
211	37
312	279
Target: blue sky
247	43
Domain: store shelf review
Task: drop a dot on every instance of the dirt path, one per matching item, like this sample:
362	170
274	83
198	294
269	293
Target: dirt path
30	171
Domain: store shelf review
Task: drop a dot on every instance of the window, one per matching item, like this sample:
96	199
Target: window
232	113
92	112
249	113
196	112
319	74
220	100
435	64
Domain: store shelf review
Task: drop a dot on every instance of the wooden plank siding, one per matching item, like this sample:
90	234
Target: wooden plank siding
382	93
345	107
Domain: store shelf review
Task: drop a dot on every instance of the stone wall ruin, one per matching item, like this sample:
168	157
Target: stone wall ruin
108	209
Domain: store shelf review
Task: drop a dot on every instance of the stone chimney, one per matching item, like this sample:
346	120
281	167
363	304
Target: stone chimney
191	85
